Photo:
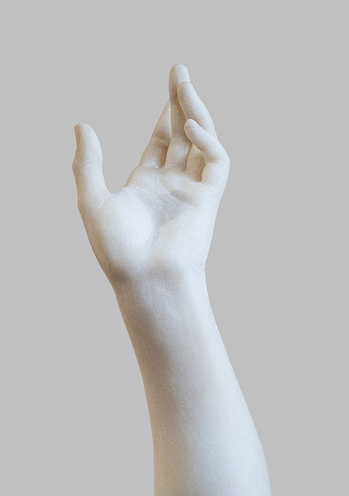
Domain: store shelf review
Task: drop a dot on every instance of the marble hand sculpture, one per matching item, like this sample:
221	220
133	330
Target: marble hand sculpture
152	240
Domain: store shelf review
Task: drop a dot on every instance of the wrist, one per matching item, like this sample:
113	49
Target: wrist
169	279
164	302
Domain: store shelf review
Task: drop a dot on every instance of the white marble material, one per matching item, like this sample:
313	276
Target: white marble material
152	239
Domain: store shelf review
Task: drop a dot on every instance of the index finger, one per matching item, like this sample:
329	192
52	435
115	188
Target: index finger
194	108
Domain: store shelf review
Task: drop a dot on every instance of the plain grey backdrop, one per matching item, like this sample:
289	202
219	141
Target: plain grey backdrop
73	415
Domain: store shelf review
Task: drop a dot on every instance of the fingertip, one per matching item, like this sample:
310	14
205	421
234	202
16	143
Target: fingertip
190	124
178	74
194	132
181	70
81	130
86	137
185	84
183	88
82	127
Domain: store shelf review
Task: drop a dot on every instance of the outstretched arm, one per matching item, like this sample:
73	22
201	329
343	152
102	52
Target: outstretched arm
152	239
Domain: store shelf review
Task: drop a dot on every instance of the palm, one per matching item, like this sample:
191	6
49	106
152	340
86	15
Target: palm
156	220
164	216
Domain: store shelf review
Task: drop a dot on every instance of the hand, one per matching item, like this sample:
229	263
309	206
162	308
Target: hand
162	220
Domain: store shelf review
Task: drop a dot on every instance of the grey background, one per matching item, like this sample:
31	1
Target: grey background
73	416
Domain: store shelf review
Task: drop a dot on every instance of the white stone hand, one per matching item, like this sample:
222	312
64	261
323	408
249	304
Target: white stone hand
162	220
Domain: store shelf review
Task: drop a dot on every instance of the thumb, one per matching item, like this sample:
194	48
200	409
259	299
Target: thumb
87	168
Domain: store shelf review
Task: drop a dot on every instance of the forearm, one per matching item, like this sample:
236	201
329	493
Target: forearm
205	442
204	439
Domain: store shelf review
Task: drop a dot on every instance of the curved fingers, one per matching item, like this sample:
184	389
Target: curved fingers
216	170
194	108
180	145
178	74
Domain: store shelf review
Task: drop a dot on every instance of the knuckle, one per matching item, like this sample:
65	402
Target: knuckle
75	167
161	140
225	157
81	205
